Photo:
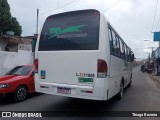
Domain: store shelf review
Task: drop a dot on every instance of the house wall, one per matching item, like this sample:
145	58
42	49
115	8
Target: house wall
3	44
13	48
8	60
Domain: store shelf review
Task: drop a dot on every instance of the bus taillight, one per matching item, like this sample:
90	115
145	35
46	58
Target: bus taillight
36	65
49	19
95	13
102	69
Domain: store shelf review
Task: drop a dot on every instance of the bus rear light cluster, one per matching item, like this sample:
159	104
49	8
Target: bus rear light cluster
102	69
36	65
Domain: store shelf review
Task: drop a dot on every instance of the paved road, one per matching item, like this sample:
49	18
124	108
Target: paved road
144	95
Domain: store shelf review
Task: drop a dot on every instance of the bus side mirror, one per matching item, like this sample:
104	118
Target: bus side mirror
132	57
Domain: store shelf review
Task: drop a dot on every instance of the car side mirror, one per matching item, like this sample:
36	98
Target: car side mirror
32	74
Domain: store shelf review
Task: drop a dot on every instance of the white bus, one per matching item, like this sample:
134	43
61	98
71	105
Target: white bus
79	54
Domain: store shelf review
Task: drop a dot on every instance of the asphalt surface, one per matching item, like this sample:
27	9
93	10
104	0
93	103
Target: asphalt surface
143	95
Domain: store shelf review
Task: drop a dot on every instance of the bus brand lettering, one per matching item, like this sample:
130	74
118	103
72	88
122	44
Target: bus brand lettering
81	35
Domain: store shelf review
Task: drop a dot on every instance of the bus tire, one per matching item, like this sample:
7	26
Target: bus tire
120	94
129	85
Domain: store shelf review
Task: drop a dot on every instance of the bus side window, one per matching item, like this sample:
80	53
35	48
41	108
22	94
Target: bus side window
130	56
125	52
118	46
115	44
122	50
110	40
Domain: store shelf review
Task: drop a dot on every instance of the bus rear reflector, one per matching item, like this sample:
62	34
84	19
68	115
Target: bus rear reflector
86	91
102	69
36	65
44	86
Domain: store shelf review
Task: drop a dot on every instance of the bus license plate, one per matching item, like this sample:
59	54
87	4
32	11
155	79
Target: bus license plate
63	90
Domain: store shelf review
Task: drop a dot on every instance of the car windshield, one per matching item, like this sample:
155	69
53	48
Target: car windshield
20	70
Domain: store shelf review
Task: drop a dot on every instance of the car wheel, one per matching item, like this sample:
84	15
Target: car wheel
20	94
120	94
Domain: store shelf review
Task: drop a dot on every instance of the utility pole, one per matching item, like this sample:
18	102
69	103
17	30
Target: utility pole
37	21
152	48
34	40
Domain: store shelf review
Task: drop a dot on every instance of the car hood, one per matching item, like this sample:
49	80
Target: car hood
9	78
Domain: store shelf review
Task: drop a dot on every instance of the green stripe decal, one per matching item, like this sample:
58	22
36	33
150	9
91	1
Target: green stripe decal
80	80
58	31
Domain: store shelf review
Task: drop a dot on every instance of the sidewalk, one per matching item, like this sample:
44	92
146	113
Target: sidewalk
155	77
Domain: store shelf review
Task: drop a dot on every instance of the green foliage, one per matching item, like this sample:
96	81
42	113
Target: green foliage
15	26
7	22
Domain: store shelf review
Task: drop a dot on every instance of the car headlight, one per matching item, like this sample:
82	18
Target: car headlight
4	85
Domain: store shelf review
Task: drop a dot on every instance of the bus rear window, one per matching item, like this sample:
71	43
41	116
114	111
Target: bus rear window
77	30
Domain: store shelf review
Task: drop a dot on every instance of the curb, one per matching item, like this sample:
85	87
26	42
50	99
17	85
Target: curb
157	78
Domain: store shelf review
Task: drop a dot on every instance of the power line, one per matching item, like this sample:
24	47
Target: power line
114	5
73	1
155	15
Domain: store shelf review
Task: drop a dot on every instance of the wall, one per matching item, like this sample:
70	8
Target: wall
8	60
3	44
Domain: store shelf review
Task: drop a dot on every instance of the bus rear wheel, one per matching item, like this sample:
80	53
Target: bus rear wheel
120	94
129	85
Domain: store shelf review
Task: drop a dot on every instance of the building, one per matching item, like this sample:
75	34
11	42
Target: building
15	50
11	43
157	59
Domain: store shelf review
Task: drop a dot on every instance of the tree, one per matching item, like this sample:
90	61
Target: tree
5	16
15	26
7	22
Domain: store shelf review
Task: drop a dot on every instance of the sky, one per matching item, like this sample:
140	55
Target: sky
134	20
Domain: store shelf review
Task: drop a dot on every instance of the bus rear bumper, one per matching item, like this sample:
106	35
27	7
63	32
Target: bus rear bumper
75	91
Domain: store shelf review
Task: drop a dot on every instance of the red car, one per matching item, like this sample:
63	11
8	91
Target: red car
18	82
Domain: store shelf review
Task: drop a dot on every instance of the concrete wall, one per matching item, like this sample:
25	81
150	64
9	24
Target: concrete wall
3	44
8	60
